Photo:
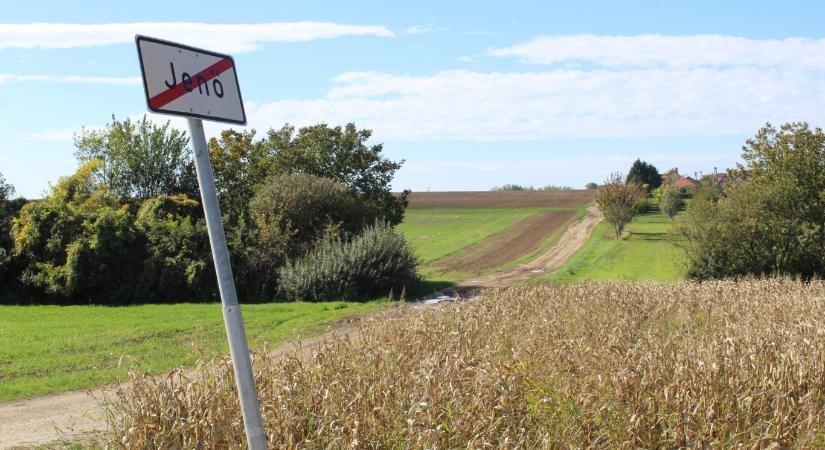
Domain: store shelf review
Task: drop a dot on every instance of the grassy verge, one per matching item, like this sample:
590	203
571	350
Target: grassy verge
46	349
645	255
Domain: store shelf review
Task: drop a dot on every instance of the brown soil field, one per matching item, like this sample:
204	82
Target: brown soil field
500	199
508	245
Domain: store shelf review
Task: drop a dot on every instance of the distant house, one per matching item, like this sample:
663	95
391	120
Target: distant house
685	184
718	179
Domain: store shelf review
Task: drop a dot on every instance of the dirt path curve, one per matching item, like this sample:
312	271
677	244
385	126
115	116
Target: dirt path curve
569	243
74	415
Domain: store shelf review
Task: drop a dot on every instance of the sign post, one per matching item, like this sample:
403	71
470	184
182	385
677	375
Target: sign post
200	84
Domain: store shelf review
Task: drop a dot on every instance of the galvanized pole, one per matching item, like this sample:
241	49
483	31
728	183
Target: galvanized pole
226	284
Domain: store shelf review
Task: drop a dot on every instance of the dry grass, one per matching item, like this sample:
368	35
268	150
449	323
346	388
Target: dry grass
606	365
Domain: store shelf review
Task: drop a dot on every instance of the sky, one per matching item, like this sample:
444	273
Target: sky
470	95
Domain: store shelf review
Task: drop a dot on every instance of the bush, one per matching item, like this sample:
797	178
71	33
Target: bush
769	221
371	264
301	209
643	205
178	264
78	245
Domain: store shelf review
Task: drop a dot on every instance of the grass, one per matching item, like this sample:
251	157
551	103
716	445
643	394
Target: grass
45	349
719	364
645	254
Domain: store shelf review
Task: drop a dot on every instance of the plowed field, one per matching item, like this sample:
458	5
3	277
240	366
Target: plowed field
501	199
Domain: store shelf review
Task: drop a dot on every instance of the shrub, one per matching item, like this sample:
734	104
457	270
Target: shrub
771	220
178	262
302	209
373	263
78	244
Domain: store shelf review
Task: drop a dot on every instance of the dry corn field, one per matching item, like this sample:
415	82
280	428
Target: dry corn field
596	365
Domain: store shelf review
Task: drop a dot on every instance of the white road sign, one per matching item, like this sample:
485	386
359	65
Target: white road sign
188	81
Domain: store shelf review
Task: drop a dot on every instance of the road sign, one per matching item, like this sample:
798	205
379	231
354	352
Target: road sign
187	81
177	80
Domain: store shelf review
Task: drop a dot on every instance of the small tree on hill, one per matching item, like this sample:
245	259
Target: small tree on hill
644	174
670	200
618	202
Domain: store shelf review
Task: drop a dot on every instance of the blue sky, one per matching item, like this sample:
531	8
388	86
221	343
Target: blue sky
470	94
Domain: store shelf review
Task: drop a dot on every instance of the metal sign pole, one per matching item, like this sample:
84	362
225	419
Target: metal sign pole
226	284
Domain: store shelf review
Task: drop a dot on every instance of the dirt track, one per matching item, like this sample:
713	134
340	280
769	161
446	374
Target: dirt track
500	199
570	242
73	415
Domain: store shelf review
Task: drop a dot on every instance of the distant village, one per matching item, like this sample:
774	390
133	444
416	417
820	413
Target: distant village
688	184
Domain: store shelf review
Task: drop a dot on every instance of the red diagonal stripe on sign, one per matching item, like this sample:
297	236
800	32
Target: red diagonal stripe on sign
198	79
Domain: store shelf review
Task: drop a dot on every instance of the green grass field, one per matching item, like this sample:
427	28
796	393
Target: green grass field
645	255
47	349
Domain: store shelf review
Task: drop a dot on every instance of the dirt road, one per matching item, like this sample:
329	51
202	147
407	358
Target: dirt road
569	243
76	415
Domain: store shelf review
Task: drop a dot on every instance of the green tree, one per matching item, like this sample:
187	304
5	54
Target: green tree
341	154
644	174
591	186
240	164
670	200
139	159
618	202
770	221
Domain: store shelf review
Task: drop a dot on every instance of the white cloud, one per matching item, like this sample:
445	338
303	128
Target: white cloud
234	38
130	81
654	50
644	102
420	29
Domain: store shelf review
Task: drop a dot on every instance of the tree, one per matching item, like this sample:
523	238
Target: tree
242	164
670	200
771	220
618	202
342	154
644	174
139	159
591	186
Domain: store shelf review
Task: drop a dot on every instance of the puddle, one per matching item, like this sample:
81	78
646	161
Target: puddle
447	298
